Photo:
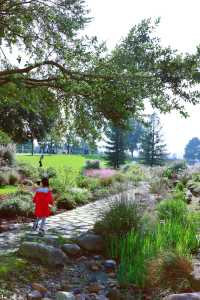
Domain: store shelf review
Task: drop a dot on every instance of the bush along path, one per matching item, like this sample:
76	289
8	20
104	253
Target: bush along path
68	258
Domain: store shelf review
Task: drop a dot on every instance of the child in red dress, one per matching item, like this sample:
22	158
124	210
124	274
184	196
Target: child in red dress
43	199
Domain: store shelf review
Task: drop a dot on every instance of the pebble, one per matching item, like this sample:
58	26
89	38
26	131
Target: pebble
65	296
38	287
110	265
95	287
34	295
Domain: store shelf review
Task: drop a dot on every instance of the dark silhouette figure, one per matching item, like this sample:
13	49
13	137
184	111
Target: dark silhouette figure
40	161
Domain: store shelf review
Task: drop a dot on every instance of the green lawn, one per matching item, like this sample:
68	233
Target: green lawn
63	164
7	189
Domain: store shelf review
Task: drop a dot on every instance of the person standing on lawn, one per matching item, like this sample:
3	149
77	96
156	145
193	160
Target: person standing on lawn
42	199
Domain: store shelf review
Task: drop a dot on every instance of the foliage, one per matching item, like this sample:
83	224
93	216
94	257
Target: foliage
3	179
7	155
93	86
49	172
159	185
146	251
192	150
10	263
71	198
136	250
172	209
4	138
17	205
122	217
14	178
170	270
115	149
27	170
134	173
153	150
92	164
89	183
27	121
174	169
134	133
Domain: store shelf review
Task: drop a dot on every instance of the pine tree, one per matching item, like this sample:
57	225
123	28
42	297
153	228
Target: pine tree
115	154
153	150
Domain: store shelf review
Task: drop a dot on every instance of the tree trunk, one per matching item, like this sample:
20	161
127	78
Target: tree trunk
32	148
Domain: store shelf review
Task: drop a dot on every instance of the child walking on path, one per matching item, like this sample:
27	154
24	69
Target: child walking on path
43	199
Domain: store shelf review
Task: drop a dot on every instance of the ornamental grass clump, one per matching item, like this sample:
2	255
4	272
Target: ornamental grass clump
175	231
123	216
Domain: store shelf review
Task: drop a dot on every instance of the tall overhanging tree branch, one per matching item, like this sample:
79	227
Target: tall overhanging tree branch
48	53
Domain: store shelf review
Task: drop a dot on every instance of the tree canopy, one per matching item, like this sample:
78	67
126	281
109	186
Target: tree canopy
153	149
192	150
49	52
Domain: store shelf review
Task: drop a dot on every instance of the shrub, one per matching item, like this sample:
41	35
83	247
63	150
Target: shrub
88	183
172	209
14	178
17	205
174	169
119	177
3	179
80	196
137	248
9	156
122	217
159	186
92	164
58	185
107	181
27	170
170	270
49	172
66	201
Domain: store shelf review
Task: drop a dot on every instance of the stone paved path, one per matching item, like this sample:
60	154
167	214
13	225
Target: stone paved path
73	222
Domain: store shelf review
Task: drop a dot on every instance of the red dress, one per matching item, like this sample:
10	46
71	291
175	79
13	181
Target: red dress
43	197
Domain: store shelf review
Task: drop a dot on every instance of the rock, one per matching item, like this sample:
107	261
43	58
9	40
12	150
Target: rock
101	297
34	295
114	294
110	265
52	240
187	296
46	255
95	287
65	296
188	196
93	265
81	297
91	242
38	287
71	249
76	291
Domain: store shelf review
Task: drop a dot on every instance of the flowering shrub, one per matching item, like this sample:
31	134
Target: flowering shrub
101	173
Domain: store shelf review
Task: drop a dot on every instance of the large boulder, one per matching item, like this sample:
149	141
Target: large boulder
45	254
91	242
185	296
71	249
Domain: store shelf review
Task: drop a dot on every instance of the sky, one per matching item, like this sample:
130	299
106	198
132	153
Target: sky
179	28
